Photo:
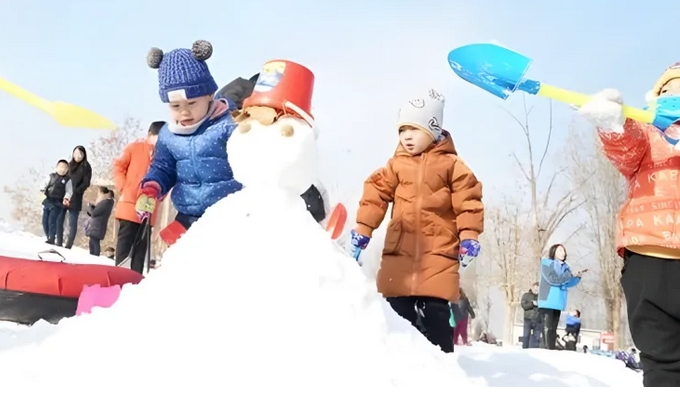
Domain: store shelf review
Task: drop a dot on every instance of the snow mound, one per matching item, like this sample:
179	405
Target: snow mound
250	301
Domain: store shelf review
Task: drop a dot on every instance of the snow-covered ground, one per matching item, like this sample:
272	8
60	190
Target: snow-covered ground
250	301
256	309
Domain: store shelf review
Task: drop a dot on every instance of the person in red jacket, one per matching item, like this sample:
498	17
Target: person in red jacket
128	172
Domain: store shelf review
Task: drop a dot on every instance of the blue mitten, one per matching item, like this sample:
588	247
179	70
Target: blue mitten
359	242
469	250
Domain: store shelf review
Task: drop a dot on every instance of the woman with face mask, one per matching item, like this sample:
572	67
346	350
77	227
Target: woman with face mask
80	173
553	288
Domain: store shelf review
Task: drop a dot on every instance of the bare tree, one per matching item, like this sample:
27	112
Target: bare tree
507	243
604	190
26	198
103	150
548	211
526	235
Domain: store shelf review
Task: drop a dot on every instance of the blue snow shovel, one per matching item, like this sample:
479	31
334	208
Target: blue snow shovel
501	72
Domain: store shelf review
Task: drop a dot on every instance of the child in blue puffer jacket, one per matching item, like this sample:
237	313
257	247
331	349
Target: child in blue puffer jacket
190	156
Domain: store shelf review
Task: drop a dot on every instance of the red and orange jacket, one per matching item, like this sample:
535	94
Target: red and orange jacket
649	220
128	172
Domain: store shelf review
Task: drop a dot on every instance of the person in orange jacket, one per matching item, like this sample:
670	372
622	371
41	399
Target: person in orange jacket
648	231
128	172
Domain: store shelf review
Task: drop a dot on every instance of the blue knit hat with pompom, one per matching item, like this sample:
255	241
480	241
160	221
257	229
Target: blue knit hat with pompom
183	73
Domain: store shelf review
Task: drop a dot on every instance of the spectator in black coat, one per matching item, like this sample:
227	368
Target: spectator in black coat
533	321
99	213
80	172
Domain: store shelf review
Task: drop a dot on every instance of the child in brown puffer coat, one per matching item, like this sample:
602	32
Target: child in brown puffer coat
437	217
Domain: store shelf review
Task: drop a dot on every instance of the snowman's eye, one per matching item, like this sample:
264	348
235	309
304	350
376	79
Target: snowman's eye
287	130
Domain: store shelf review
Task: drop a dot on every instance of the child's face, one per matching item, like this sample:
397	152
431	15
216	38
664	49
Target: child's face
414	140
62	169
672	88
190	111
560	253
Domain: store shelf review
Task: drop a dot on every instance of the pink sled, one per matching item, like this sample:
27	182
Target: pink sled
97	296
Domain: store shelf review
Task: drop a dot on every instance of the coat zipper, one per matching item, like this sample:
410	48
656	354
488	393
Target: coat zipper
418	205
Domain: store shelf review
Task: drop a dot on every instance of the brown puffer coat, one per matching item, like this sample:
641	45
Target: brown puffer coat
437	203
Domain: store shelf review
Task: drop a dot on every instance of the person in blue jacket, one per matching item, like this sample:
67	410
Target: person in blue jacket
190	156
553	288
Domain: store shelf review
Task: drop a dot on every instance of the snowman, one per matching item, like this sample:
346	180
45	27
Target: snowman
274	150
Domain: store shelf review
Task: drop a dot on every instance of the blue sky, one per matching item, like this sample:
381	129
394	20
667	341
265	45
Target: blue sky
366	55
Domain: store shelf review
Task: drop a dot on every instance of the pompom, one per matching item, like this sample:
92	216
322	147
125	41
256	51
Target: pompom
202	50
154	58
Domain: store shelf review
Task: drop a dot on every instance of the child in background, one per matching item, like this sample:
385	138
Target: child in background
437	217
190	156
57	190
97	224
572	329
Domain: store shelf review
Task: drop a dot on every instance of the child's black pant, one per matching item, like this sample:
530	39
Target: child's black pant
652	289
430	315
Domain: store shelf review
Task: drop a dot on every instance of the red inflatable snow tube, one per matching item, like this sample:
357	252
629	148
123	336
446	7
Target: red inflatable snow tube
31	290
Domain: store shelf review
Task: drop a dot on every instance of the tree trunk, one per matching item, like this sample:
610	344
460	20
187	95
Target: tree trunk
616	322
509	327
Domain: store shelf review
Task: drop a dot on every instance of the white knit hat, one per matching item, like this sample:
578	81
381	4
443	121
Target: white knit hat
425	113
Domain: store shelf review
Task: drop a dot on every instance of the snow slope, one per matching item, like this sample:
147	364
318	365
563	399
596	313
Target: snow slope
255	307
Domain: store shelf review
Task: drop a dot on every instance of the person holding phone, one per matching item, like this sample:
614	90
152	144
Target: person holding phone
553	290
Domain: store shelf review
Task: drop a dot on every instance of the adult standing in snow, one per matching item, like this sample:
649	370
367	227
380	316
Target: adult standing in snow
437	218
648	238
533	324
462	313
97	225
556	280
80	173
128	171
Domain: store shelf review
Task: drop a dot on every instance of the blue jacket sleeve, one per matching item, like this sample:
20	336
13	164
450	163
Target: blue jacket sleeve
163	169
573	282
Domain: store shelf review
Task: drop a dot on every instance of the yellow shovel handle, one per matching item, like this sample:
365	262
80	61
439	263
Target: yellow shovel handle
26	96
579	99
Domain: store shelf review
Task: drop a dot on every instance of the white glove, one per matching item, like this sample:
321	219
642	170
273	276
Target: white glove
605	111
